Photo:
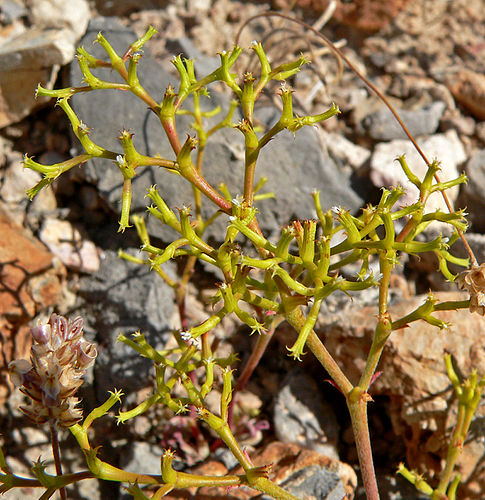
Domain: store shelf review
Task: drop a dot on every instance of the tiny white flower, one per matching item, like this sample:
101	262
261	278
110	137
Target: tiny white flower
254	43
120	160
378	277
194	342
232	218
237	201
337	209
186	335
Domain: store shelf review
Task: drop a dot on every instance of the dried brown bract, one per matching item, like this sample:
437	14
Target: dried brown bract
473	281
59	358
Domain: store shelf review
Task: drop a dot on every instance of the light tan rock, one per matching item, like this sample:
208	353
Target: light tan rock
291	466
32	56
414	376
446	148
468	88
17	92
30	280
346	151
65	241
73	15
17	180
37	48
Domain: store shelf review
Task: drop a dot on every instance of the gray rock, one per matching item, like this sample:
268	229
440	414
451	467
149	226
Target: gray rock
6	147
225	456
203	64
473	194
302	417
200	5
297	163
381	125
348	97
314	482
295	166
14	182
142	457
464	125
123	298
480	131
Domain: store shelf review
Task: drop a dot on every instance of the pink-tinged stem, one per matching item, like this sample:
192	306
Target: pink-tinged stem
253	361
249	367
171	132
357	404
57	456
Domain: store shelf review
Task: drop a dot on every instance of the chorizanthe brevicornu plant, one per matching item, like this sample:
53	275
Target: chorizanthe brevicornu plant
264	282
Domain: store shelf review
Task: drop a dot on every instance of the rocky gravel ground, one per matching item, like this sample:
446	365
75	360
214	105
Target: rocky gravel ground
58	252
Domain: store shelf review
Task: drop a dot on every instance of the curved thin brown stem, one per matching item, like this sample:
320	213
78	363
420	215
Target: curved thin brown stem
57	456
341	56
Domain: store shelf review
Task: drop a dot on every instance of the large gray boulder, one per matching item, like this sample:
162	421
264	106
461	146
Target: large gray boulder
123	297
294	166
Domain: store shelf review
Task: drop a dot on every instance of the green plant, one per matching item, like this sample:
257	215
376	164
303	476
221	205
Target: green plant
468	393
283	281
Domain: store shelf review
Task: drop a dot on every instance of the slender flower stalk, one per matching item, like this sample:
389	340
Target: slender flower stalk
59	358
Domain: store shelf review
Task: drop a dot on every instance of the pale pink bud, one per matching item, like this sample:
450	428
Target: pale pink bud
63	330
87	353
41	333
75	328
17	370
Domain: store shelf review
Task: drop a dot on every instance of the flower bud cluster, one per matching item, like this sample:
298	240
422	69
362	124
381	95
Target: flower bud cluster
473	281
59	358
